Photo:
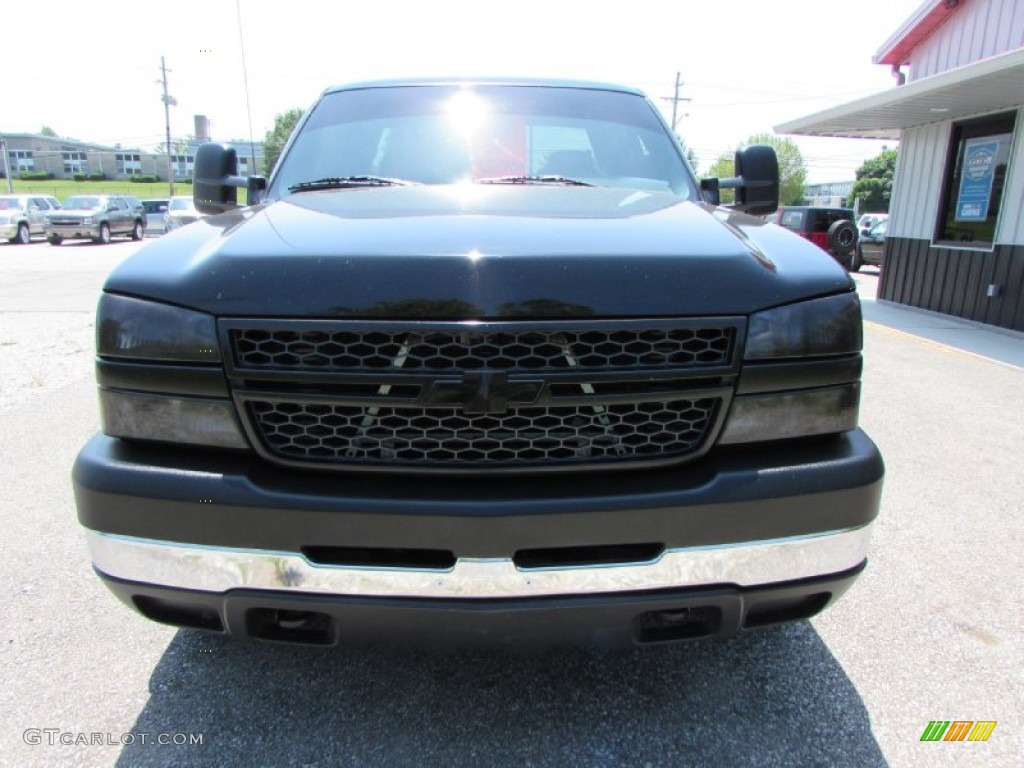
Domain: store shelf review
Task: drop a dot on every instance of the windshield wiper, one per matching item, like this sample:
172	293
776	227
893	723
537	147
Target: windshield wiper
343	182
546	179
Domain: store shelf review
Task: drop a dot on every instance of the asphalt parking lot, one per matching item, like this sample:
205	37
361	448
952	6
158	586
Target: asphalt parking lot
932	630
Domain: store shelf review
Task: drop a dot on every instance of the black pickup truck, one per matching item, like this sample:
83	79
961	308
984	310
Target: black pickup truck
481	361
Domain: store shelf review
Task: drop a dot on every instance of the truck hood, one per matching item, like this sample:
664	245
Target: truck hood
476	251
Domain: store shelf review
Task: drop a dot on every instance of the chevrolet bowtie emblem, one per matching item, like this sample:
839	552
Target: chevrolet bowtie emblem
485	392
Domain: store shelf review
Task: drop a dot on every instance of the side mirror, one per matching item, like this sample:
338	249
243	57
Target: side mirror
756	181
709	191
216	181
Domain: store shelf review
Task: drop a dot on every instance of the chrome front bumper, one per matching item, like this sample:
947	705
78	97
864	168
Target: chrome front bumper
221	569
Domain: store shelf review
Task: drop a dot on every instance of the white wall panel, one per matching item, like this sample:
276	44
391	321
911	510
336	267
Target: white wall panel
920	172
979	29
1011	217
918	185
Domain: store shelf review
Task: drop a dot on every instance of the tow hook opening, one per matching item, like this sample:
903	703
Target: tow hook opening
305	627
678	624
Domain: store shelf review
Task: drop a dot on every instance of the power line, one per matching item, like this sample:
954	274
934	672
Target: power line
168	100
675	99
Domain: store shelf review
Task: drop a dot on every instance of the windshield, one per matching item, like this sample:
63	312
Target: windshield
452	134
181	204
10	204
83	203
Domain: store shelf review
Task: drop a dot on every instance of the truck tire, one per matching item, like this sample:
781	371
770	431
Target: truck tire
137	231
856	260
23	237
104	236
55	239
842	242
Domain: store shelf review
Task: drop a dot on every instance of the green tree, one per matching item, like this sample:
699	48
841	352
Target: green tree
691	156
723	168
792	168
874	182
47	131
276	137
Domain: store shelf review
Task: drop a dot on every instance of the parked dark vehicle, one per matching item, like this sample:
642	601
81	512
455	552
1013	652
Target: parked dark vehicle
97	218
871	246
481	363
831	229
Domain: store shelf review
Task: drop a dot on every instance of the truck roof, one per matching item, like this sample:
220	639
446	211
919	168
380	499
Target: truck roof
533	81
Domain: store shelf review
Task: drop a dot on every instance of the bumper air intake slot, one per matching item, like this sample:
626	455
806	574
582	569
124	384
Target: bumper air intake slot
606	554
381	557
178	615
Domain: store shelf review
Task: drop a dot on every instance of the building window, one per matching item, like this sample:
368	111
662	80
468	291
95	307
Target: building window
75	162
128	164
972	193
182	165
21	160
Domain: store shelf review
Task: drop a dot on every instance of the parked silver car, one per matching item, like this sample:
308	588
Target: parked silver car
96	217
156	212
180	211
871	246
22	216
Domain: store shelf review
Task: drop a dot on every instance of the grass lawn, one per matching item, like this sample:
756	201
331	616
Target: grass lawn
62	188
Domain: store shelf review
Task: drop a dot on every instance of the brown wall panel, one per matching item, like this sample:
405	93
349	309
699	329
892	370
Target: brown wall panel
1010	291
955	281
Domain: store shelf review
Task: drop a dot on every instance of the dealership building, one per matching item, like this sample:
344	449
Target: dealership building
955	241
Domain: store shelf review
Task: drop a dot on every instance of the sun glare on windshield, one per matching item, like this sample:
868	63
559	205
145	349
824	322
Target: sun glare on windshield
467	112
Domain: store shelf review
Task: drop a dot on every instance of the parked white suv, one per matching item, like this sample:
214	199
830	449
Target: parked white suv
22	216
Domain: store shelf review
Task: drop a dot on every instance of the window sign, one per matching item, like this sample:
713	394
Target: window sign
976	180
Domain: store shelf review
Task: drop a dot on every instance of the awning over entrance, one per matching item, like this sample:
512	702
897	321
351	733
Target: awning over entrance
984	86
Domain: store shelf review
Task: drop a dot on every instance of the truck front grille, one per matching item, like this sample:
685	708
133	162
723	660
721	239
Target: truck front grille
494	395
325	350
448	437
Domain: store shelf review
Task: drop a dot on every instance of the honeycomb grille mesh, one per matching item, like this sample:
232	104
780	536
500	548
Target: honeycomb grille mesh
607	349
328	433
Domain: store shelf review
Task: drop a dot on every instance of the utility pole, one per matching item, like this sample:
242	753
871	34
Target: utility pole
168	101
7	165
675	99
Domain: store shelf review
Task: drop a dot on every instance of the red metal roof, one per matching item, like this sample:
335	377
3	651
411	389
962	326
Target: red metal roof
896	50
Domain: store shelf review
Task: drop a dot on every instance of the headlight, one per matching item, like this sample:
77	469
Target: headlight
160	349
829	326
808	356
134	328
87	220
